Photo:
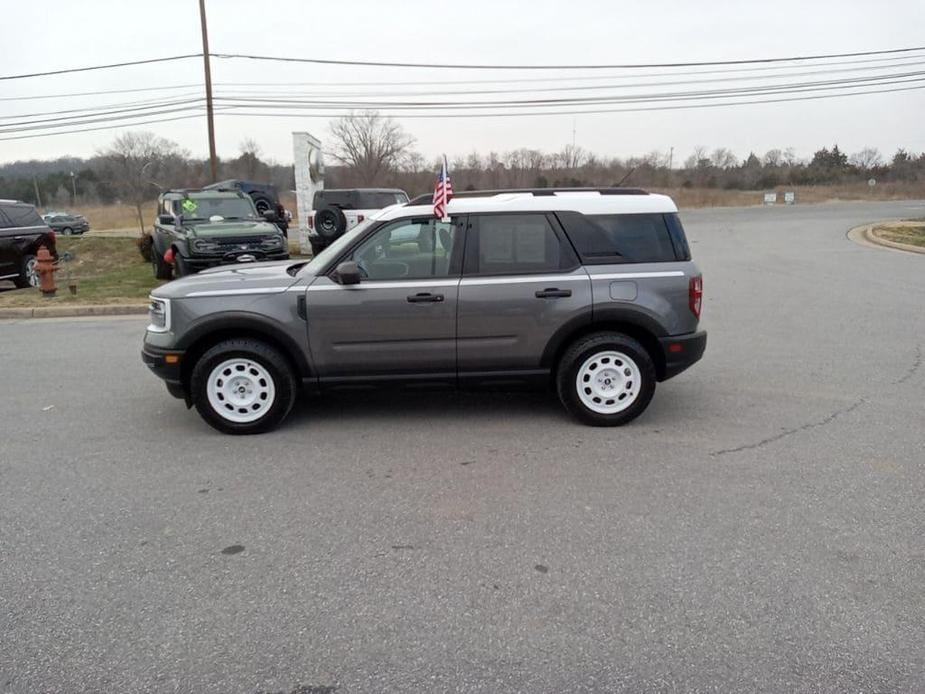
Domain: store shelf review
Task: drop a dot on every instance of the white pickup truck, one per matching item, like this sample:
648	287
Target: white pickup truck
335	211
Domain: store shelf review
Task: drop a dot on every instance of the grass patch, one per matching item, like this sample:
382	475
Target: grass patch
909	231
108	271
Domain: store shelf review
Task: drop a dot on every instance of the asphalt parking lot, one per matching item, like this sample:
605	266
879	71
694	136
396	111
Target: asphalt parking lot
760	528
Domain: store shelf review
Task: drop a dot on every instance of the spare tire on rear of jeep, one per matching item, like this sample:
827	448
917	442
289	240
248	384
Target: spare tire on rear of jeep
330	222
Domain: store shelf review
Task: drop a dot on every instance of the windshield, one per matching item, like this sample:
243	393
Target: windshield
203	208
338	246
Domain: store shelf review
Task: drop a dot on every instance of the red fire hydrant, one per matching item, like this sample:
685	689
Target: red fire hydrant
45	269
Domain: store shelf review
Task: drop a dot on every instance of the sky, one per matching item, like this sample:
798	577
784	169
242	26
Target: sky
56	34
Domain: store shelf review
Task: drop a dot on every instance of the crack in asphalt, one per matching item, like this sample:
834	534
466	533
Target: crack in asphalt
910	372
789	432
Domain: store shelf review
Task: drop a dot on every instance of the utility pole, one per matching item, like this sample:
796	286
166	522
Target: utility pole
74	187
670	158
213	163
38	196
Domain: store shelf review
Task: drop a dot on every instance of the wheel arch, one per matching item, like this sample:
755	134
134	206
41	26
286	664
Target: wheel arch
237	325
633	323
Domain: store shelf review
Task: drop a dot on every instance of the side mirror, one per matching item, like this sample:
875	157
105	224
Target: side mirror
270	215
165	219
348	272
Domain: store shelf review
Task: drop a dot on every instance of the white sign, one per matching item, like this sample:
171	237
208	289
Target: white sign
790	197
871	182
770	198
309	178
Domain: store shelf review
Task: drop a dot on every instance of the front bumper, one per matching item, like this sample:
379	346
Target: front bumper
170	372
201	262
681	352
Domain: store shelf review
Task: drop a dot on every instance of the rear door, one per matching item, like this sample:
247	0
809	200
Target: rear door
521	282
7	246
400	320
22	228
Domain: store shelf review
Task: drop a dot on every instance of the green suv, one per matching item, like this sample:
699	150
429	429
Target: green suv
196	229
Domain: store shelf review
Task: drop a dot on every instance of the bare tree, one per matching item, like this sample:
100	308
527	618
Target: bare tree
697	158
370	144
248	164
133	163
773	157
867	159
572	157
723	158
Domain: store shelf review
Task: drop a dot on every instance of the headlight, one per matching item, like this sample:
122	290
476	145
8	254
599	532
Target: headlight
159	315
204	246
271	242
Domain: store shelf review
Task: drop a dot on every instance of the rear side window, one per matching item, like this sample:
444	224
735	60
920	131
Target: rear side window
515	244
4	222
621	238
23	216
357	200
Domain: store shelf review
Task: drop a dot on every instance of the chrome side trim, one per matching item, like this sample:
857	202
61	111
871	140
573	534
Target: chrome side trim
382	285
530	279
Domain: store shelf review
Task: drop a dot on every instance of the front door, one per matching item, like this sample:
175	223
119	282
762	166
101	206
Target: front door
400	320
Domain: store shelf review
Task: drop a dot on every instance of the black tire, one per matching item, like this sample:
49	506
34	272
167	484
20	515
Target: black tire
317	248
162	270
269	359
67	231
263	204
27	276
330	222
181	268
581	352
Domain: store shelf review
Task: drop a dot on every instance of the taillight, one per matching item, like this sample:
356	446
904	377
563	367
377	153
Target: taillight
311	221
360	218
695	294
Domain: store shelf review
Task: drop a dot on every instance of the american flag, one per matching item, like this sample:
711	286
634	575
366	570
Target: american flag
443	191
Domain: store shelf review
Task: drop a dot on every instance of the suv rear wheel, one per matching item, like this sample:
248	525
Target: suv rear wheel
243	387
606	379
28	277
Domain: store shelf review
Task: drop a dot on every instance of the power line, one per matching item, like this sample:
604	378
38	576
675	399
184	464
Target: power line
618	66
159	101
227	111
98	93
101	67
592	87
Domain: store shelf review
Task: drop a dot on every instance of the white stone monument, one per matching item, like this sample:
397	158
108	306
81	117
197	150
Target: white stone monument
309	178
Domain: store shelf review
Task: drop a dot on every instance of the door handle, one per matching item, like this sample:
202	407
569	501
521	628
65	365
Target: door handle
424	298
553	293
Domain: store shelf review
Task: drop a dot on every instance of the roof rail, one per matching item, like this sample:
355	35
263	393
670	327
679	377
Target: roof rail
536	192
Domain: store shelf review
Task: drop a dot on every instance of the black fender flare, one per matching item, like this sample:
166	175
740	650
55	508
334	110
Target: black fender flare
246	322
588	320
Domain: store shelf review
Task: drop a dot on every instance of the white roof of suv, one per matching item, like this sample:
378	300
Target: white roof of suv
604	201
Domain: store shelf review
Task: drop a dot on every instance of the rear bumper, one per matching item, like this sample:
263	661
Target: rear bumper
682	351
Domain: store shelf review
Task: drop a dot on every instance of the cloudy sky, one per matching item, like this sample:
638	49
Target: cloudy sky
56	34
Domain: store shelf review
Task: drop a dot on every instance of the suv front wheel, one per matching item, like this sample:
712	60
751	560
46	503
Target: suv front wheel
606	379
243	387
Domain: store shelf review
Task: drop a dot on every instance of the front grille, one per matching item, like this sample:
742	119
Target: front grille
239	241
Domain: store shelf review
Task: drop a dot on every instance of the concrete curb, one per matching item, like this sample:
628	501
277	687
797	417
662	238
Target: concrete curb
73	311
865	234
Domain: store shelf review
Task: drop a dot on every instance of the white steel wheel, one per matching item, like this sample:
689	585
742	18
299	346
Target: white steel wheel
240	390
608	382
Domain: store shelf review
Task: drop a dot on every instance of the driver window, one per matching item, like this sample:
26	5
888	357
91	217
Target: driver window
409	249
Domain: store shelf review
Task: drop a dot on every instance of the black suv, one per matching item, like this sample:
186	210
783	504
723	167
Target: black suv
264	195
22	232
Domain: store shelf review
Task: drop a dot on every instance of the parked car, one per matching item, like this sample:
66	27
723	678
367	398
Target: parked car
336	211
591	291
264	195
197	229
67	224
22	232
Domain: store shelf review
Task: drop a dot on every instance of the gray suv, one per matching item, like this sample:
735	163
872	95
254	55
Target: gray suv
591	291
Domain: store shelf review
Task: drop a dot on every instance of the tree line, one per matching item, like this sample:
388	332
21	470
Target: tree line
367	149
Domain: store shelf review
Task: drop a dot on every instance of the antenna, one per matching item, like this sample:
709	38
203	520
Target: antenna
623	180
